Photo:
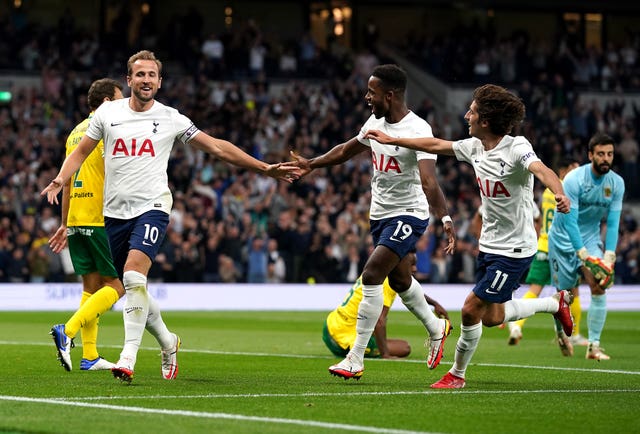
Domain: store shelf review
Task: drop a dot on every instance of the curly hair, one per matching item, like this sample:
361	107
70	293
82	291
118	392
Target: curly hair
101	89
499	107
143	55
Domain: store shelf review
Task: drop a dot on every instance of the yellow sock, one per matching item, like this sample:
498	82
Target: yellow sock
87	318
529	294
576	312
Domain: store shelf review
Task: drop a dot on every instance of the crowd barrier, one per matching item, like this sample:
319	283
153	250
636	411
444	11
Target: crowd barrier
274	297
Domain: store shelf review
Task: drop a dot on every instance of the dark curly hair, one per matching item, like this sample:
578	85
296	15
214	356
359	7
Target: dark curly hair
499	107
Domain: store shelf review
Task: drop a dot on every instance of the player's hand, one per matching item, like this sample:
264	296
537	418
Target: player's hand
59	240
440	311
378	136
52	190
563	204
301	162
450	231
285	171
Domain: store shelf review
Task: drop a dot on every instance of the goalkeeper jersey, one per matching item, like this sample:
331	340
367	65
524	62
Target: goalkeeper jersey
593	198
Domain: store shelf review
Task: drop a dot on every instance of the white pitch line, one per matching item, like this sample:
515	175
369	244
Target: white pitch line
326	394
208	415
307	356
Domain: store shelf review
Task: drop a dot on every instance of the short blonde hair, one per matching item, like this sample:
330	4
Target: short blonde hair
143	55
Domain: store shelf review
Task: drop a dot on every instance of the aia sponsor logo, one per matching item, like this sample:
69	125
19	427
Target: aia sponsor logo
385	163
133	149
492	189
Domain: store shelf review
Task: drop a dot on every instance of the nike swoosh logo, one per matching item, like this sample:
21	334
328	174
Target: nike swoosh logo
113	124
145	243
488	291
394	239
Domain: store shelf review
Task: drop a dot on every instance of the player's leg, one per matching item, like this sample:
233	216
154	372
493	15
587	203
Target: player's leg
470	332
501	277
105	289
376	269
413	298
538	276
410	290
596	318
169	342
515	327
566	270
135	312
88	323
576	312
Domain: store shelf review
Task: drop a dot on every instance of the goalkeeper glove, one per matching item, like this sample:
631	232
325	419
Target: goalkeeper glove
600	270
610	258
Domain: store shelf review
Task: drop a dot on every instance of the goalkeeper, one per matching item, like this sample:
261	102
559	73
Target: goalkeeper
575	241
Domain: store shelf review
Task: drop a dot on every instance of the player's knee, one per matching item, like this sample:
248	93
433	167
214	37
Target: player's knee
134	280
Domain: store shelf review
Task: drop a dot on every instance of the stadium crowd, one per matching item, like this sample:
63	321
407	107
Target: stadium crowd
232	226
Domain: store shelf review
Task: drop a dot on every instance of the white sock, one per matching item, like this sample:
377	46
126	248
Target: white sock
368	314
134	312
157	327
525	307
414	299
465	347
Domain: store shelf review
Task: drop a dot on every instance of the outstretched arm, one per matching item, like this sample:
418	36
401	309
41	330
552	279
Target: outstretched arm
336	155
427	144
551	180
71	164
230	153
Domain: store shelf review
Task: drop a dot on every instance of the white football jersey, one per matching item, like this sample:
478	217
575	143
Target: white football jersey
396	188
137	146
506	190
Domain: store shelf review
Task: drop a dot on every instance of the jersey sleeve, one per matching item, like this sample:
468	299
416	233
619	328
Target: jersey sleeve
523	152
463	149
95	130
425	131
185	129
363	131
572	191
613	218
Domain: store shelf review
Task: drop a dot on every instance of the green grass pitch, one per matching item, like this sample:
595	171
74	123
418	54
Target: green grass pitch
266	372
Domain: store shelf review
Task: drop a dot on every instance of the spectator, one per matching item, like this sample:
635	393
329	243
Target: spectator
257	261
276	268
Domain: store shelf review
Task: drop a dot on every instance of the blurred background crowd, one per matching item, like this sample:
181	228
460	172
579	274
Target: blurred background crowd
270	95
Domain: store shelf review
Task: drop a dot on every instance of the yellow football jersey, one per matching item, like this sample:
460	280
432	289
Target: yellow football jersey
341	322
548	209
87	184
